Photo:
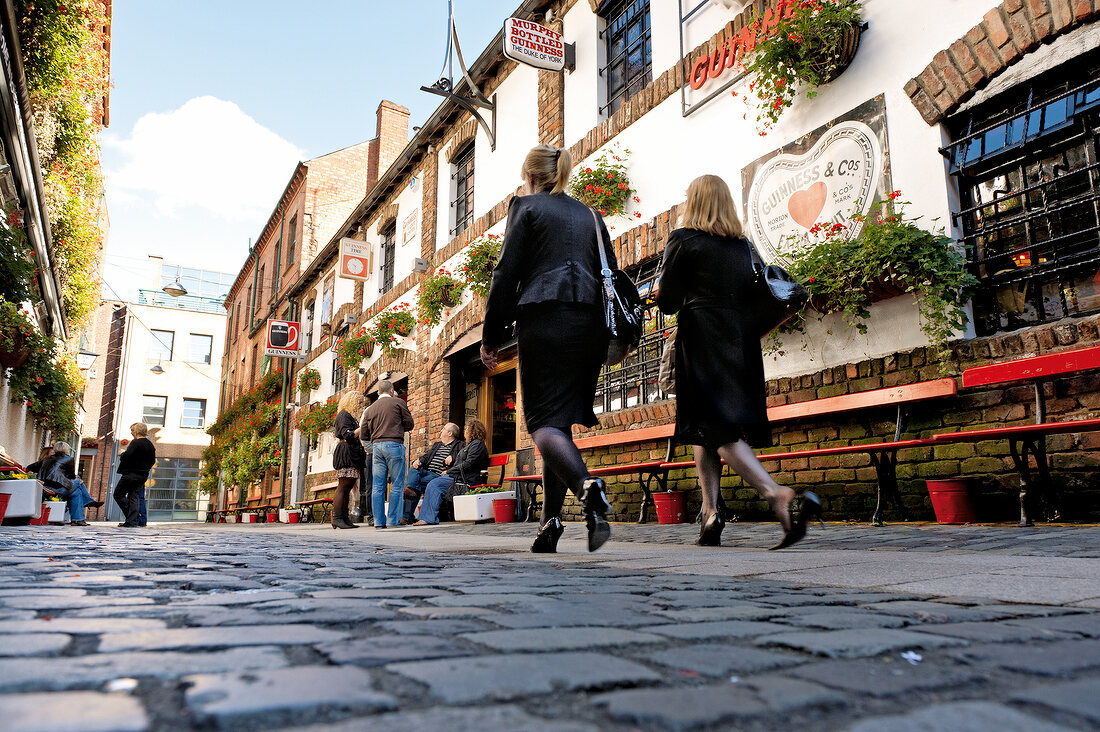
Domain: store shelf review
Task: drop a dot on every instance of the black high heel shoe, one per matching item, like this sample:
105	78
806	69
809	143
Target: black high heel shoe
596	507
711	532
340	522
808	508
547	540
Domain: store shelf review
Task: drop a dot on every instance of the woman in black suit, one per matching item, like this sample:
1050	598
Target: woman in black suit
134	465
707	278
348	457
548	283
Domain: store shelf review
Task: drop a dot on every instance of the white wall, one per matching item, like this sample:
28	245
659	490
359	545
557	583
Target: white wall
496	172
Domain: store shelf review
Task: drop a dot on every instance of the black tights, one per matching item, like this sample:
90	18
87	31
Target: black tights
340	498
563	469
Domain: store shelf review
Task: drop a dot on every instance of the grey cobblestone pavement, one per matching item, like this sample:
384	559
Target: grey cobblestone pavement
906	627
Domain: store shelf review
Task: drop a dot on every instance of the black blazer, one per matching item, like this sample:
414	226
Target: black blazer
137	460
349	452
427	457
469	462
549	255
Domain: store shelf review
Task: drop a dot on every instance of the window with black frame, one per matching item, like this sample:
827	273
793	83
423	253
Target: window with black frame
462	205
634	381
1026	163
629	49
389	253
339	375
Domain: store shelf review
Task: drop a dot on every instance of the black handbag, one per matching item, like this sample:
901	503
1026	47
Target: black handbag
779	296
622	306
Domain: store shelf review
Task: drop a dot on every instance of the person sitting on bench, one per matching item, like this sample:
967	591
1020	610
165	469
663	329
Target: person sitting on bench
465	468
430	466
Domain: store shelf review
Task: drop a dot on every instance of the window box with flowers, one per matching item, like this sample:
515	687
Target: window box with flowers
316	418
891	255
604	185
481	258
438	291
812	44
390	325
352	349
308	380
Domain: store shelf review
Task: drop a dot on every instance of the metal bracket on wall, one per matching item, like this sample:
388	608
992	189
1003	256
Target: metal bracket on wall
472	102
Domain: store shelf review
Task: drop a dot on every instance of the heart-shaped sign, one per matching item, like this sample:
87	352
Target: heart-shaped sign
804	206
832	182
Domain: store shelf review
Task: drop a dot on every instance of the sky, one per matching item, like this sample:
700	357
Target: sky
214	102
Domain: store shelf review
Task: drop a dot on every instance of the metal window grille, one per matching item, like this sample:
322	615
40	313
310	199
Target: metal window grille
1029	192
389	252
339	376
634	381
463	203
629	51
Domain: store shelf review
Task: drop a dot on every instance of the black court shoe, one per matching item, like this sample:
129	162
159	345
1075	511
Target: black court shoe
802	511
596	507
547	540
711	532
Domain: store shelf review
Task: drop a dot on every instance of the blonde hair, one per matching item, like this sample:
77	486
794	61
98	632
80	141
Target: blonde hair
140	428
352	403
709	208
547	168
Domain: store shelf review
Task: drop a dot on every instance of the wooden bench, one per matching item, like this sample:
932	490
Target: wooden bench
883	454
307	514
1029	440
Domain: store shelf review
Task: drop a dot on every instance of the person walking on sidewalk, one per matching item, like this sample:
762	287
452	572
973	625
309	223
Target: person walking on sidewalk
464	467
430	466
348	457
708	281
547	282
134	465
385	423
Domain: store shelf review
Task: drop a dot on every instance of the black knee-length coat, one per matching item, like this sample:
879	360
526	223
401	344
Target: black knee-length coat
708	282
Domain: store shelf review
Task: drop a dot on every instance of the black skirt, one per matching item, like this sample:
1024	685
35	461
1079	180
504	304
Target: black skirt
562	347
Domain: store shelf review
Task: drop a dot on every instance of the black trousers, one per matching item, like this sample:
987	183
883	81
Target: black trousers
126	496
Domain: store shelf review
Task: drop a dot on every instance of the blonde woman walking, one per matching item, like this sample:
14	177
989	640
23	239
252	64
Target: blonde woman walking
348	458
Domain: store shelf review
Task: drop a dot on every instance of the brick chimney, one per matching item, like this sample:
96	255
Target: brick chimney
392	135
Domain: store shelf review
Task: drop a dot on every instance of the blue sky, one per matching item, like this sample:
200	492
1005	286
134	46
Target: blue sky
214	103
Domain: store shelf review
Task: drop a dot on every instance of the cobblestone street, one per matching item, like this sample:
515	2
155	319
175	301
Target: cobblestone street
267	627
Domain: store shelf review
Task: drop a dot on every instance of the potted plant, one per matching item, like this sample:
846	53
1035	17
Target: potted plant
603	184
16	333
892	254
812	44
389	325
438	291
316	419
482	255
352	349
308	380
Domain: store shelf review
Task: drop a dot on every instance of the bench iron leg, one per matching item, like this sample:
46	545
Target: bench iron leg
886	470
1022	450
647	492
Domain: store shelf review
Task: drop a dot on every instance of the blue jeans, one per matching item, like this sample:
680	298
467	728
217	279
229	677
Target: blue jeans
143	514
433	496
388	462
77	497
418	480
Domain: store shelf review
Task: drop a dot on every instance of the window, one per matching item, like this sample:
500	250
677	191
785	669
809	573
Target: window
291	240
194	413
389	251
173	491
255	354
629	51
307	326
1027	165
160	345
201	347
276	268
236	322
326	301
339	376
462	178
634	381
153	410
263	288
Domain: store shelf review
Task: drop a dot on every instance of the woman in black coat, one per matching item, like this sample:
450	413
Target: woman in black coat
548	283
134	465
348	457
707	279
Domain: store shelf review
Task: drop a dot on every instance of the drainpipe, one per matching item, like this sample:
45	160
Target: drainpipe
283	446
255	279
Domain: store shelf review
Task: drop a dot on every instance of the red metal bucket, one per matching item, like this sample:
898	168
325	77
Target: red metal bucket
670	507
951	501
504	510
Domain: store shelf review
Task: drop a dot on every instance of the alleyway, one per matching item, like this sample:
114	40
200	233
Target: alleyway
460	628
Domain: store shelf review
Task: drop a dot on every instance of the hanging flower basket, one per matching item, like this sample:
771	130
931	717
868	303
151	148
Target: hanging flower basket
438	291
13	348
832	64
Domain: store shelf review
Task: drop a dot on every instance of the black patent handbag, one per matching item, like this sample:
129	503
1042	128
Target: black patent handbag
622	306
779	296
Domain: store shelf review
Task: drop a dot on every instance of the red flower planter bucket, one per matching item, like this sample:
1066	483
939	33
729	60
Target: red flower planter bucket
293	517
273	517
4	498
504	510
951	501
670	507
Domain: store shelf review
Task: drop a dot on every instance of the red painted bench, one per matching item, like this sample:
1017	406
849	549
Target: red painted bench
1029	440
324	503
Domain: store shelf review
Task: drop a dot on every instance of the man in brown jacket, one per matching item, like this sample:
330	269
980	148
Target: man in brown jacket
384	424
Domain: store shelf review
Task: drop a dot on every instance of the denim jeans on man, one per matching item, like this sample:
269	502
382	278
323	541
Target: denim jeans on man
143	512
433	497
417	479
77	497
388	462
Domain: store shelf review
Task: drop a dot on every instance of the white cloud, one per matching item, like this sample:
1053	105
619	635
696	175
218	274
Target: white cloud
208	154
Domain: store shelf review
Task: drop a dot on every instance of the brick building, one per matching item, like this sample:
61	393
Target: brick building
930	75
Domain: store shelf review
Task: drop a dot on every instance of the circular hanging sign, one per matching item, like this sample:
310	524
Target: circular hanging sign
831	183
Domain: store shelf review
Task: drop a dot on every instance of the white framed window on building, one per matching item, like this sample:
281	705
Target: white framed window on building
462	186
194	413
628	47
160	344
326	301
154	409
202	346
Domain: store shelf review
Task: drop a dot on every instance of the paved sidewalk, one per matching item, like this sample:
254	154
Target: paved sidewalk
459	627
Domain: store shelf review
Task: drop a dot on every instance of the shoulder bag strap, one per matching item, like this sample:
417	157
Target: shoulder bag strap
757	262
600	244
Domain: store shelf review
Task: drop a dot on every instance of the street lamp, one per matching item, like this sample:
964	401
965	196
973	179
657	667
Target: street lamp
175	288
158	369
